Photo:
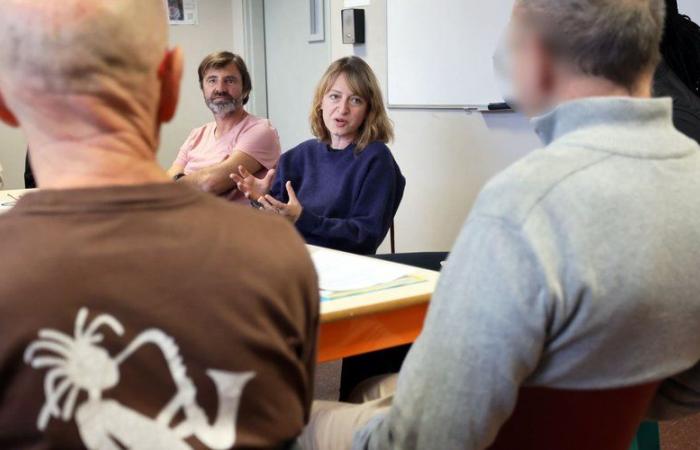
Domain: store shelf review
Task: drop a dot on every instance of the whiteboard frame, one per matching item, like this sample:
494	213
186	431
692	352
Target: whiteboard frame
467	108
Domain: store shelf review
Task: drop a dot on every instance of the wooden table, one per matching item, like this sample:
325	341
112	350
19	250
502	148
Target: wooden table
375	321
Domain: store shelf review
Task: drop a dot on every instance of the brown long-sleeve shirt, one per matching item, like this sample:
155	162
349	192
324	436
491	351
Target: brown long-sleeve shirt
152	317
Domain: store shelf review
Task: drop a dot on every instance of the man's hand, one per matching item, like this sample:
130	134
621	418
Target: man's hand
194	179
252	187
176	169
291	210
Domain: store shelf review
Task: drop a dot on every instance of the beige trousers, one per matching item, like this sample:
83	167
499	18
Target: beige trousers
333	424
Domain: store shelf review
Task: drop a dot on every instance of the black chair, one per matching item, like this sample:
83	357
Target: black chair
392	238
29	181
424	260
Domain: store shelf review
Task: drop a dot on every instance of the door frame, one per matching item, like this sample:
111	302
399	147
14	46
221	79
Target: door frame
249	42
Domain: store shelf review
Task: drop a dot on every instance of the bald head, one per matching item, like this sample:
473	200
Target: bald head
83	71
79	46
89	82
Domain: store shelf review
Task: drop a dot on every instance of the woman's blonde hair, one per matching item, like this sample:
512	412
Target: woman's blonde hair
363	82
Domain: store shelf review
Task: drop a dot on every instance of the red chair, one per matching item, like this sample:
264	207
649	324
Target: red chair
550	419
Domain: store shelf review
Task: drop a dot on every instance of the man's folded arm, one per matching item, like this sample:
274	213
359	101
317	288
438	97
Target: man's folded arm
216	179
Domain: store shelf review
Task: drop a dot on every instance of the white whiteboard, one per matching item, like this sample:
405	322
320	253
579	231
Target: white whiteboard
440	52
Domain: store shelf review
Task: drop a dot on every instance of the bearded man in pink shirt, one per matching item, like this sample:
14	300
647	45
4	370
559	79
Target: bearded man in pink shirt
235	138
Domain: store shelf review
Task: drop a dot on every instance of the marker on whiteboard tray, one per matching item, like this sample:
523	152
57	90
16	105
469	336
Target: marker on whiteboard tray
499	107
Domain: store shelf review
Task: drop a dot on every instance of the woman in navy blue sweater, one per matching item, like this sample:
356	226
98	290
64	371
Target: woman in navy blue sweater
342	189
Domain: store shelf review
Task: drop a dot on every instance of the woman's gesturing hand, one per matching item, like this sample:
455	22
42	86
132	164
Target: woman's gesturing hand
291	210
251	186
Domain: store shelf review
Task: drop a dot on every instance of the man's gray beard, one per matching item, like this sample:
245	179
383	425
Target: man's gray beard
222	108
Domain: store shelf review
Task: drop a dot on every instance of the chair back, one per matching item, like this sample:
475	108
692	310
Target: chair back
551	419
392	238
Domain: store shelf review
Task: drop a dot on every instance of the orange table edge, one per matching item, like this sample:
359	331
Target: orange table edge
370	332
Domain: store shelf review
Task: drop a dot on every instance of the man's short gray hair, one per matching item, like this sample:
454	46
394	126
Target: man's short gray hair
614	39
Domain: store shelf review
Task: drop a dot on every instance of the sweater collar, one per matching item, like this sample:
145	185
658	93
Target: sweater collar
611	111
623	125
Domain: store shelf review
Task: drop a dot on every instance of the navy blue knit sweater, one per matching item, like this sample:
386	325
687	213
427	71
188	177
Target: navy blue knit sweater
349	198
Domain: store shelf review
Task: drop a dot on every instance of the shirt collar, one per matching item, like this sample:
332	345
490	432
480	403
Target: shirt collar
106	199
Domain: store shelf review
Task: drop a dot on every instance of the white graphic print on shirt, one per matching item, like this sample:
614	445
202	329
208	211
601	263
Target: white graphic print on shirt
79	363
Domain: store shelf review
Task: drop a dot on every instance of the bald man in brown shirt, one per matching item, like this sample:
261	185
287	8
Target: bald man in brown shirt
135	313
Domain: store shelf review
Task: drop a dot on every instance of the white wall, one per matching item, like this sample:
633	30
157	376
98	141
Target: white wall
13	148
214	32
294	66
446	156
690	8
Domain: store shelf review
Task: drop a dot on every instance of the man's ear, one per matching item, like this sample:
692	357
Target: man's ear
546	69
170	74
6	115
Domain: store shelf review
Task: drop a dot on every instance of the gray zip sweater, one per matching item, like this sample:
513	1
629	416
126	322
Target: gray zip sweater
578	268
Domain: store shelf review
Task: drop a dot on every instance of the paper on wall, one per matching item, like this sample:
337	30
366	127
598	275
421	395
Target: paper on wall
182	12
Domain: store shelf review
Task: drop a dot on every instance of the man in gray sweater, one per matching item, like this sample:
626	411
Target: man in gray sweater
577	268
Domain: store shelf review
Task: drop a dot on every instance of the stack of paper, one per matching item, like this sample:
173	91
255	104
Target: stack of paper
342	274
8	199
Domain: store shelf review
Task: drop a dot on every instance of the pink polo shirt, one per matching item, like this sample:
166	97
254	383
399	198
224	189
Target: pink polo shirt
253	136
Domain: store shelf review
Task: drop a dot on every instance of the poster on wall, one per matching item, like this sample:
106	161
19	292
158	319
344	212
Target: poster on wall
182	12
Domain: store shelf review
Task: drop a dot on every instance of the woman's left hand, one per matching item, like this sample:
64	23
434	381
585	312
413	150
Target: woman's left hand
291	210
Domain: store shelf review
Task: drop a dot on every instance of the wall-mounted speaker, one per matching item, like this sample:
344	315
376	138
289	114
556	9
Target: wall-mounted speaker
353	26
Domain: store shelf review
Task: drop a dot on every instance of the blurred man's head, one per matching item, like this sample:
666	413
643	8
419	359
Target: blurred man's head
613	44
74	69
